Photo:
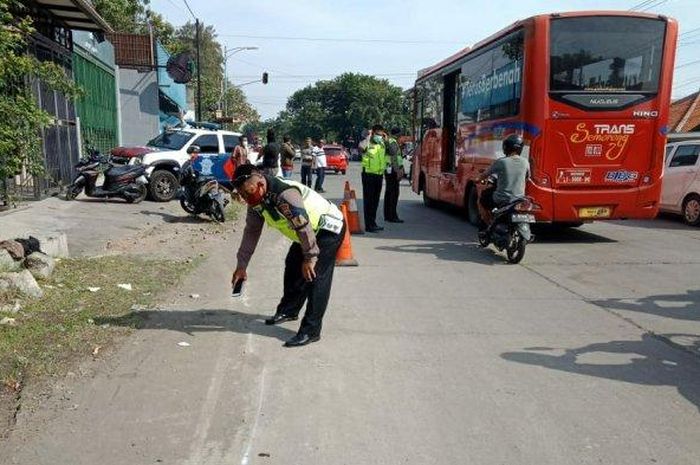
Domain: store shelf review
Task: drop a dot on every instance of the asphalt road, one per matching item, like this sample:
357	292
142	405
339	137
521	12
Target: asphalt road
434	352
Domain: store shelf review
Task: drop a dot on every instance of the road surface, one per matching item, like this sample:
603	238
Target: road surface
434	352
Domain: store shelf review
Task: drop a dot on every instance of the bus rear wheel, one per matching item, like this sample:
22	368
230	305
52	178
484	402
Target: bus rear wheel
472	205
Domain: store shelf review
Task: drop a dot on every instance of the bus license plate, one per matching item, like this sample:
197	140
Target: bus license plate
522	218
594	212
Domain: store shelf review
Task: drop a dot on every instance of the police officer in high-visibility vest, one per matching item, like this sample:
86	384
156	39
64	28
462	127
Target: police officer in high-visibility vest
316	228
373	167
393	176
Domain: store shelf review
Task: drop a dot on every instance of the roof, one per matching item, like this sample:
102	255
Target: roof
76	14
684	114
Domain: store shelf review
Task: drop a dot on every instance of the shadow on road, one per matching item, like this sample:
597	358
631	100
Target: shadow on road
648	362
552	234
677	306
451	251
663	221
185	218
199	321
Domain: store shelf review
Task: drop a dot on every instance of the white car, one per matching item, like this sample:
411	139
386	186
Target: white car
167	152
681	184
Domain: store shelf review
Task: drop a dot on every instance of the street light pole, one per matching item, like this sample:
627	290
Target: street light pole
199	72
228	54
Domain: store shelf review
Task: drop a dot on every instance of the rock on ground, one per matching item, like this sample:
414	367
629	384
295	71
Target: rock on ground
7	263
14	248
40	265
22	282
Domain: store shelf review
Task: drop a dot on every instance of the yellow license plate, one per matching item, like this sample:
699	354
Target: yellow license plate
594	212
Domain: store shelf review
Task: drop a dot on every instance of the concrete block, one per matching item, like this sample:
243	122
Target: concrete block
54	245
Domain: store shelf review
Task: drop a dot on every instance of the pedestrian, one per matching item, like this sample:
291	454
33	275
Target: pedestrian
270	154
393	176
240	152
373	167
307	161
288	153
321	165
316	228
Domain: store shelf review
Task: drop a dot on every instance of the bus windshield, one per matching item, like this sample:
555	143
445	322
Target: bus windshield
606	54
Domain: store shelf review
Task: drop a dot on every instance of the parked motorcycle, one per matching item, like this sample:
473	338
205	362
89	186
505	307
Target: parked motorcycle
201	194
510	228
128	182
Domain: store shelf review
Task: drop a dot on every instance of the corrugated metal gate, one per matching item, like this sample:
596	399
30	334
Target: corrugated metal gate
97	109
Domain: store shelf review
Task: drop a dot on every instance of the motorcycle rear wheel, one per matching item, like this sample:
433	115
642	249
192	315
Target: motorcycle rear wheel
73	191
141	192
516	251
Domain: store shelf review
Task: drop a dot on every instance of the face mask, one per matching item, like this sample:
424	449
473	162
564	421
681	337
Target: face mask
377	139
256	197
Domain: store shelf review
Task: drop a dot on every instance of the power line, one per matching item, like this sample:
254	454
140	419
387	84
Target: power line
656	5
694	62
190	9
331	39
647	5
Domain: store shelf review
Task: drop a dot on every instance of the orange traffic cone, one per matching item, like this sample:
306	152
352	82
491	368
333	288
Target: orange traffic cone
344	256
346	191
354	224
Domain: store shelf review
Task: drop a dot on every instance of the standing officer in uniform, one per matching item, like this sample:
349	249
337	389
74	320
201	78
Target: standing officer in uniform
316	228
373	167
393	176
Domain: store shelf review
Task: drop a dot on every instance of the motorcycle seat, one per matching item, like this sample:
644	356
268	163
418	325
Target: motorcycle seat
122	170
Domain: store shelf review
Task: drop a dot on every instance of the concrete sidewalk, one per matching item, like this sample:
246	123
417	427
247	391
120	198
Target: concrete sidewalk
88	223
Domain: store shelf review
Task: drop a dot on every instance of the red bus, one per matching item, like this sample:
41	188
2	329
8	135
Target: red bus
588	91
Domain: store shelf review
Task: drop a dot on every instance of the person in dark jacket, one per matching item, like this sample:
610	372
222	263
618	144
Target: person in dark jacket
270	155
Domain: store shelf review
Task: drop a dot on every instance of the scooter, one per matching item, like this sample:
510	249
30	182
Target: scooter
201	194
510	228
128	182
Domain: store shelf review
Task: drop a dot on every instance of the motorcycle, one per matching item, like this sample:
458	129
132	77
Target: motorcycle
201	194
128	182
510	228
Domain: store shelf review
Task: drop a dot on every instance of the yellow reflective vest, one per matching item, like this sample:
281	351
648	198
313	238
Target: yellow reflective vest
374	159
322	213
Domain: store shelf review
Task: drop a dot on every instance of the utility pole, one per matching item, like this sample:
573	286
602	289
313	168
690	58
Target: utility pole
199	72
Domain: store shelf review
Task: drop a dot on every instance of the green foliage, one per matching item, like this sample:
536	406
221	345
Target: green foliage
22	119
340	108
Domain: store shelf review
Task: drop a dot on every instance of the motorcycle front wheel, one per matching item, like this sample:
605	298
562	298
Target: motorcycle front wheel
73	191
187	206
516	250
217	212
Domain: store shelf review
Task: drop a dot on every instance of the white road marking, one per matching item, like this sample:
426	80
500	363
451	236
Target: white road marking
249	442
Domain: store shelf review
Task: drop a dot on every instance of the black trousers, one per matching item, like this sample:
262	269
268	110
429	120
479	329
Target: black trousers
306	175
391	196
316	293
320	177
371	191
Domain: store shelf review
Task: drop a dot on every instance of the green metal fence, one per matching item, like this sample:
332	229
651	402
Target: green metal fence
97	109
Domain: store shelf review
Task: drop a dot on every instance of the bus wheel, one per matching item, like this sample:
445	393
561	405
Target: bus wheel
691	210
427	201
472	205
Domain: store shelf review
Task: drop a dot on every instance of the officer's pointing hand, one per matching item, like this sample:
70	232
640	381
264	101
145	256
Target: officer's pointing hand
308	269
238	275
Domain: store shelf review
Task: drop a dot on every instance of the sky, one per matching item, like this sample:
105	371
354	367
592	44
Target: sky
392	39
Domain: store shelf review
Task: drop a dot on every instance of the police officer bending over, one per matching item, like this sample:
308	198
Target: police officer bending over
316	228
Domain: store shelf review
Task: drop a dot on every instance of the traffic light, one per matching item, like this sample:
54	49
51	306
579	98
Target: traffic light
265	78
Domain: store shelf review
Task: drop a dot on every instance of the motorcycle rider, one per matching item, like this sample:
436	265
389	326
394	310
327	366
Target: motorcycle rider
511	173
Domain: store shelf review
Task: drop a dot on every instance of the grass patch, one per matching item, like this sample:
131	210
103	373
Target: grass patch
60	327
233	211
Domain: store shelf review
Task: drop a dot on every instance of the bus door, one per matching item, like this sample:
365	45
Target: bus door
450	190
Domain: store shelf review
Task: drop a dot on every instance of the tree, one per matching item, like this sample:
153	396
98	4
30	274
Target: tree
341	108
133	17
22	119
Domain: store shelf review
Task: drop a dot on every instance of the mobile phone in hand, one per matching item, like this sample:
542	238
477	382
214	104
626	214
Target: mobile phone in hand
238	288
